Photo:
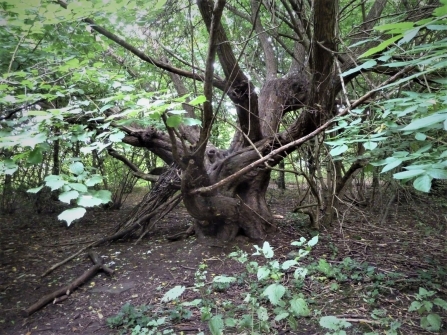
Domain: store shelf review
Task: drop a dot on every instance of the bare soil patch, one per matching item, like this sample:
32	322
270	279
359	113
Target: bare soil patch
409	251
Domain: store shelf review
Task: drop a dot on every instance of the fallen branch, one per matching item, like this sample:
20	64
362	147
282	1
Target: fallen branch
63	293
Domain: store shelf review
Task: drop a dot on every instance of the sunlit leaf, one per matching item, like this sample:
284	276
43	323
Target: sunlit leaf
72	214
68	196
423	183
173	294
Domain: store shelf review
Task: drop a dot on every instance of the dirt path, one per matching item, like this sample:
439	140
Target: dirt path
411	245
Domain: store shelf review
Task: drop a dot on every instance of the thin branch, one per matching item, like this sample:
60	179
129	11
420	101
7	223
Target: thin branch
217	83
135	170
297	142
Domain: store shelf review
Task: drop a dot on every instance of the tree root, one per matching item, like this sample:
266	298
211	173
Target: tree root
181	236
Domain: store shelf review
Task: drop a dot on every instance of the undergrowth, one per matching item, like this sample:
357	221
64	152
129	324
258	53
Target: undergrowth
272	298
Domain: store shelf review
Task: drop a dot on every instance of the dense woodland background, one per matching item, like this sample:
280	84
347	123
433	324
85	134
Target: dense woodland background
340	104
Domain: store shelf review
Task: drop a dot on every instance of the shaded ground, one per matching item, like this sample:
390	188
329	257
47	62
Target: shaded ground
372	266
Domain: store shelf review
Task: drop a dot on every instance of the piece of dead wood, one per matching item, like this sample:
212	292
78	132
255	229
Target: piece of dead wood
63	293
182	235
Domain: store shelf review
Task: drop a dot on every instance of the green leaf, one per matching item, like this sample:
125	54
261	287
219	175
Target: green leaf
87	200
104	195
423	183
409	35
287	264
173	121
224	279
366	65
173	294
426	121
55	184
263	272
381	46
35	156
262	314
300	273
420	137
68	196
313	241
72	214
338	150
437	173
401	26
333	323
76	168
78	187
197	101
299	307
216	325
394	163
117	136
441	303
274	293
408	174
370	145
267	250
191	122
93	180
35	190
431	322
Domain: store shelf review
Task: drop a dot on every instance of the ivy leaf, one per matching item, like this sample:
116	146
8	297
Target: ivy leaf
76	168
68	196
423	183
173	293
274	293
72	214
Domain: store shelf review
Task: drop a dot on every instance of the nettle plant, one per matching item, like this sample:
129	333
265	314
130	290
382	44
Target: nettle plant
424	305
266	299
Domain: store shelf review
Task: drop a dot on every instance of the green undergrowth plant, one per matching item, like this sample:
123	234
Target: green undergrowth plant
268	300
425	304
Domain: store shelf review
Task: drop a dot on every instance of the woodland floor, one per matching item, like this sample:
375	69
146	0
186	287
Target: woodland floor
408	251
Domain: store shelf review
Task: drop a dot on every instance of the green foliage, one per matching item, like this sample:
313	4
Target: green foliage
335	325
424	305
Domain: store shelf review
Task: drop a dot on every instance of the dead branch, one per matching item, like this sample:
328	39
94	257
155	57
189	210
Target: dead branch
63	293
